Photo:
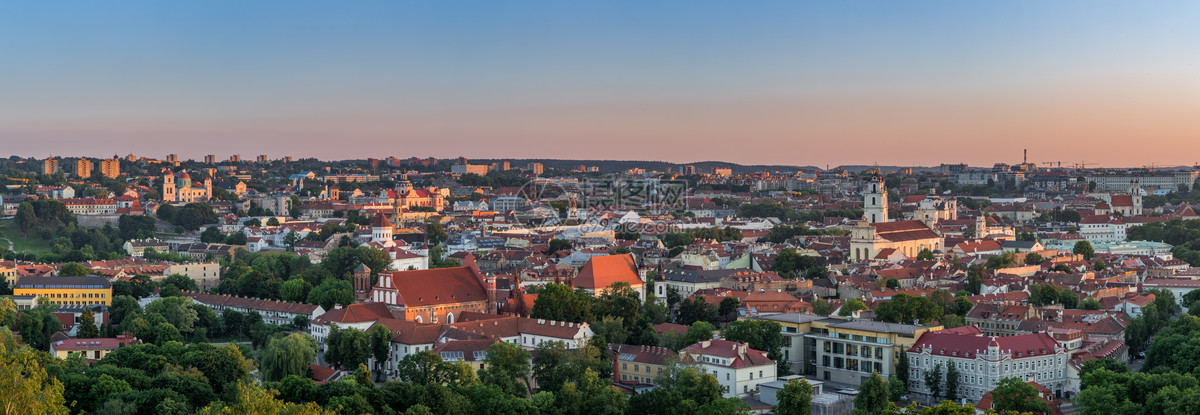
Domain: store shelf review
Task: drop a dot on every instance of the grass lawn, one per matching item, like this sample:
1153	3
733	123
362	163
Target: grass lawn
33	244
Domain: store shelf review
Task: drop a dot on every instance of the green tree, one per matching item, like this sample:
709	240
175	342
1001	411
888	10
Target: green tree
273	222
287	356
976	275
554	366
695	309
850	306
177	311
682	390
1013	394
795	398
952	380
294	290
764	335
902	370
166	212
933	382
1033	258
559	302
558	245
1084	248
375	259
435	234
872	396
906	309
896	388
37	325
925	255
381	347
212	234
821	307
25	387
26	219
72	269
506	367
233	322
290	240
87	325
346	347
729	307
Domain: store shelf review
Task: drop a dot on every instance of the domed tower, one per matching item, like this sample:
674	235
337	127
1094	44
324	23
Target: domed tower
875	204
185	180
381	228
404	186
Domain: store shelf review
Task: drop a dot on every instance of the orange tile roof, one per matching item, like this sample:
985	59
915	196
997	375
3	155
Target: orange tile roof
602	271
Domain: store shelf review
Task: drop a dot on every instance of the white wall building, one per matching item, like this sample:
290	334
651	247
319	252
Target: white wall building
983	361
737	367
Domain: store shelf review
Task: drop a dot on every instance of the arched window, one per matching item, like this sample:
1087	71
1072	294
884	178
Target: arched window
872	200
449	318
419	319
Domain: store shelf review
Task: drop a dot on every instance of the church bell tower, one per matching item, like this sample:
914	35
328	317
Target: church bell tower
875	203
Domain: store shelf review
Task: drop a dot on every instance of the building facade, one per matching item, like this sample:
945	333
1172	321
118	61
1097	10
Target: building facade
983	361
848	351
67	291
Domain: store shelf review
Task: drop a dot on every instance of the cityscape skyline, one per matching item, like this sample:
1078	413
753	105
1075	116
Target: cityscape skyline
923	83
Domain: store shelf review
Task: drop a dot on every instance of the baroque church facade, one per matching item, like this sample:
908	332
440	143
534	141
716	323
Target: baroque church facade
875	235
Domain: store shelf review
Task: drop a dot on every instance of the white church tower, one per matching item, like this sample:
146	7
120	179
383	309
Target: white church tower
1135	193
875	204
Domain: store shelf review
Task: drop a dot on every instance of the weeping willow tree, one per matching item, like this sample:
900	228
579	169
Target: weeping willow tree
287	356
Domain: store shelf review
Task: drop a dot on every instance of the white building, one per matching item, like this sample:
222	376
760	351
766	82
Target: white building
983	361
738	368
1102	228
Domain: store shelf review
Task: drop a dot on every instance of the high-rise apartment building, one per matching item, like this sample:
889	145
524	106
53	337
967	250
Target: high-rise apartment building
83	168
50	166
110	168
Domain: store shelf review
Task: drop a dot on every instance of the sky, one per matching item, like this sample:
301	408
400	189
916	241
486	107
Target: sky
916	82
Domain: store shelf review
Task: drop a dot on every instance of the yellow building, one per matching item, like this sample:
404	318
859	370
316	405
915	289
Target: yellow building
634	365
90	290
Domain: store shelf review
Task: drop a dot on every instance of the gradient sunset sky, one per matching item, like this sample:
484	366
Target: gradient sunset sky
778	82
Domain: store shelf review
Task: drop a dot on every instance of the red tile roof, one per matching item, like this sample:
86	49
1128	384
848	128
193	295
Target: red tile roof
904	230
957	345
602	271
740	354
420	288
355	313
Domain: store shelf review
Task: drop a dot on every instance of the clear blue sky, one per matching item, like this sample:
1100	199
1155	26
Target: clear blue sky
795	82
